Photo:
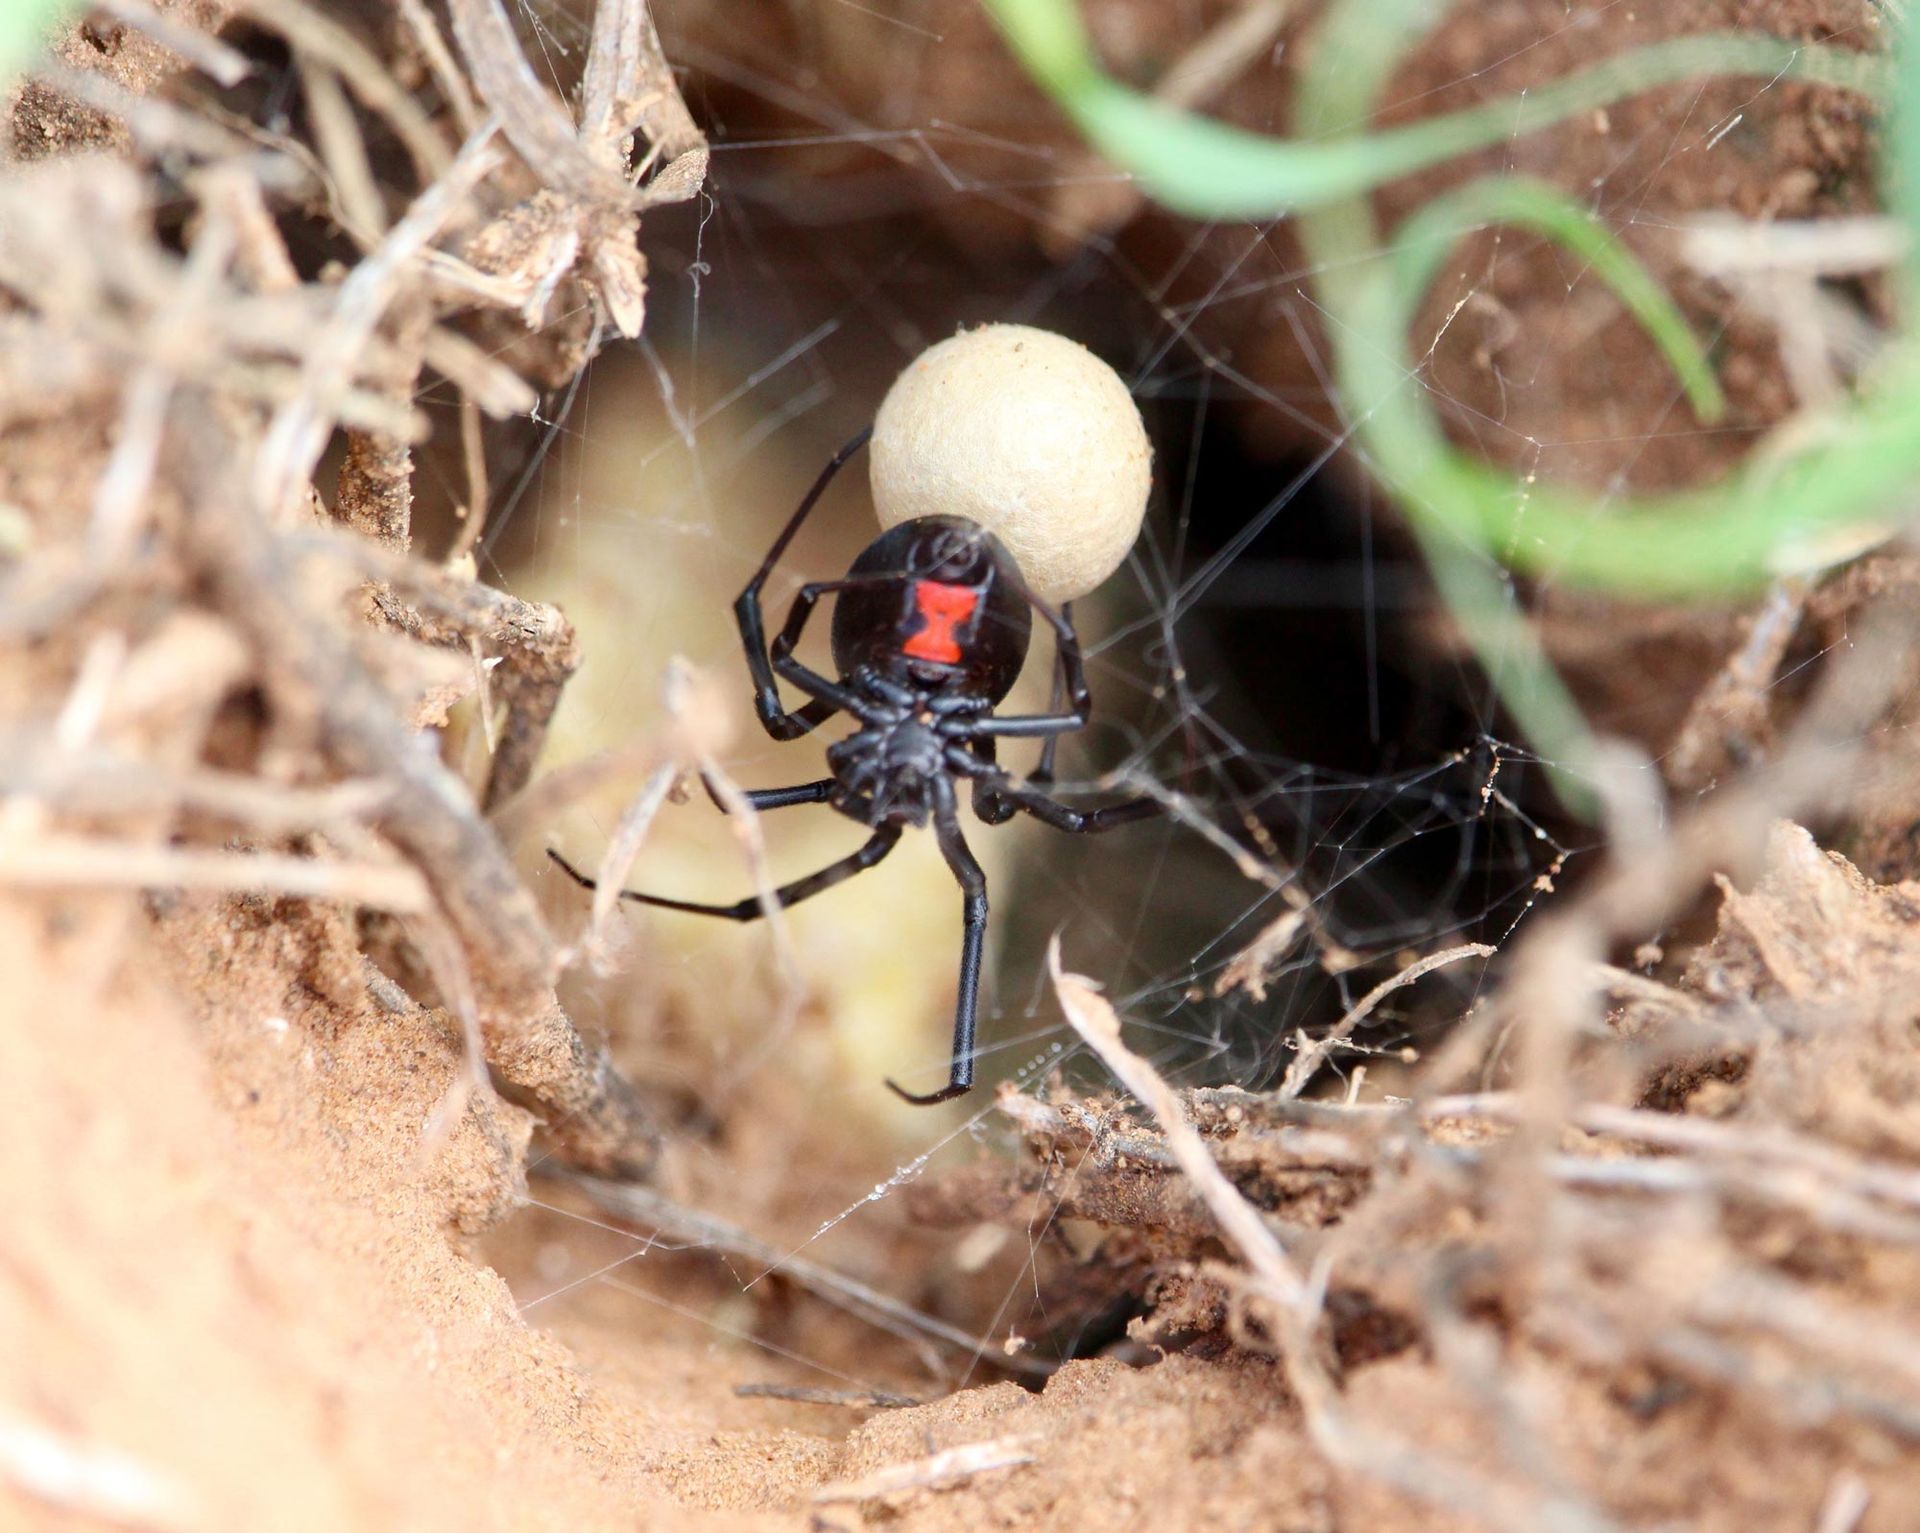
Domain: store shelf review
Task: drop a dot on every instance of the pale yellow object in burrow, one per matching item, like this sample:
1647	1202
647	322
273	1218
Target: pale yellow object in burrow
645	555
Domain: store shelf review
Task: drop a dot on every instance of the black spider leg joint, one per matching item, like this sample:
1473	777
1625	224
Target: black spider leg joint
752	908
973	946
774	716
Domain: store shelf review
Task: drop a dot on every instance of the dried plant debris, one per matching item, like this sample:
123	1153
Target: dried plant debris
173	380
1728	1230
1831	963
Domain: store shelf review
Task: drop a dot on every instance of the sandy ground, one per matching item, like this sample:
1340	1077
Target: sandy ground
237	1293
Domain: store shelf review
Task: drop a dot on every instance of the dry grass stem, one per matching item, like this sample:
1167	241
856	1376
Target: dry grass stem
629	834
1532	1502
311	32
1273	941
1611	1215
1250	968
1097	1023
847	1399
533	121
297	435
93	781
68	862
1826	247
670	1221
446	73
213	58
940	1471
93	1481
1317	1052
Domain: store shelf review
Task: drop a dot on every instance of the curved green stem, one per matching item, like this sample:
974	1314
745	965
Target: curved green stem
24	25
1421	244
1207	169
1717	541
1720	541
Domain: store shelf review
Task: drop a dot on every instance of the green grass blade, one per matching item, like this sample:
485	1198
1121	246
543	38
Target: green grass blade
1902	150
1716	542
1422	243
24	25
1206	169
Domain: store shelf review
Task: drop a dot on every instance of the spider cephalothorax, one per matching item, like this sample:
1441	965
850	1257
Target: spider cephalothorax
930	628
885	771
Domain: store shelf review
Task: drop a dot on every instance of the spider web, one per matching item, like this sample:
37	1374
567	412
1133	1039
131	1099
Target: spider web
1271	659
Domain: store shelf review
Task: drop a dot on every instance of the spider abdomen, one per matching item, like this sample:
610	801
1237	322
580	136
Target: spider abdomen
937	600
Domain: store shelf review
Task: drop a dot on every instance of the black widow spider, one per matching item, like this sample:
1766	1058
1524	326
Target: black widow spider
930	631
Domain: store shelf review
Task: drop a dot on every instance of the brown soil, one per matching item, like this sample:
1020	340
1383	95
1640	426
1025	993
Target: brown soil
270	1258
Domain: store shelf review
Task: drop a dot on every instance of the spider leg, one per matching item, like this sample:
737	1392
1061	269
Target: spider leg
1042	775
780	652
776	798
1007	788
747	613
988	806
750	908
1070	678
973	885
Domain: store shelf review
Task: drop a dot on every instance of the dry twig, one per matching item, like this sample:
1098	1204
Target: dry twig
669	1220
67	862
849	1399
1294	1303
1320	1049
944	1470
